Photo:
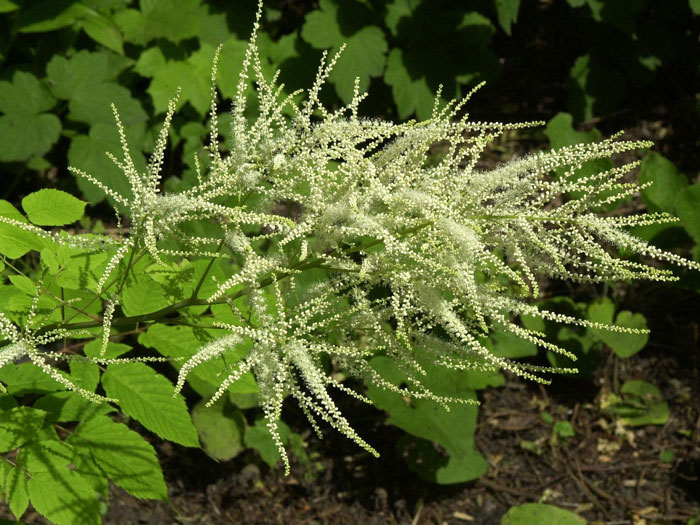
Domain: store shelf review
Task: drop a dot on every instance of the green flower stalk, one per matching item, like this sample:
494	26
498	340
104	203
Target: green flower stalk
424	256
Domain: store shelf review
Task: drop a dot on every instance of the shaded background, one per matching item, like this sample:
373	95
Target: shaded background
587	68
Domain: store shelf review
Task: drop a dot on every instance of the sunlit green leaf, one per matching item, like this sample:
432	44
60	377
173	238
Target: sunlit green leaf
148	397
128	460
50	497
50	207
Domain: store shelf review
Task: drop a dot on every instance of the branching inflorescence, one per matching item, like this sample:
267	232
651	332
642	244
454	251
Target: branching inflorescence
424	255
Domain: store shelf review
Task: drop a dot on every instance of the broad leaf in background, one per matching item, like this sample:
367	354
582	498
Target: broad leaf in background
339	22
624	345
7	6
221	428
507	11
641	404
87	152
531	513
560	132
667	184
26	131
421	62
580	341
49	207
147	396
192	75
688	210
67	76
595	87
453	430
666	181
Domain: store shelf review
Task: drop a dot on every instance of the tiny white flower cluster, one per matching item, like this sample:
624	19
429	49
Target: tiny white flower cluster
425	256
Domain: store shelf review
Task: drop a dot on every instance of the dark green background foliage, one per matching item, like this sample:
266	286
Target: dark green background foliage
610	64
64	61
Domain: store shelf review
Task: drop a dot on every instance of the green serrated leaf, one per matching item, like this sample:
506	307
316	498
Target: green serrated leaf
48	15
183	342
453	430
132	25
25	130
14	241
667	183
170	19
85	374
114	350
19	425
530	513
128	460
69	406
25	136
143	295
16	490
7	402
64	507
27	378
221	428
92	104
507	11
50	207
44	456
192	75
102	30
24	284
90	472
337	22
148	397
68	75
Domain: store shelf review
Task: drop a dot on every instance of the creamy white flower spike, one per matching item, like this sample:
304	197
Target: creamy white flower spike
424	255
